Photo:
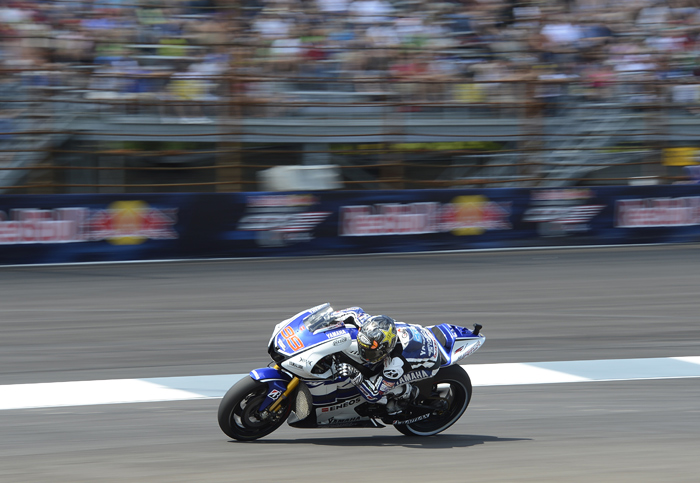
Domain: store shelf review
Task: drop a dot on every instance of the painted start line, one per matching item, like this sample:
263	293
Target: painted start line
123	391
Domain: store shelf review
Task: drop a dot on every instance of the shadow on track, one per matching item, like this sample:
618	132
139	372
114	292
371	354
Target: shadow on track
432	442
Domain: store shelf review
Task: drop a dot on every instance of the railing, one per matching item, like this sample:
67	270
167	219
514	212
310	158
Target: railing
89	129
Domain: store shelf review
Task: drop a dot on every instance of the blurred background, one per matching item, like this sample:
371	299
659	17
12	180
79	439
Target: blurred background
120	96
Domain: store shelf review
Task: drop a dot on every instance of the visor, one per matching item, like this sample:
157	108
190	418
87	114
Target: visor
371	355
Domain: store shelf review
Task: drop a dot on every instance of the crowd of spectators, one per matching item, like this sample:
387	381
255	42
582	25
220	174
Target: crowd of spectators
205	52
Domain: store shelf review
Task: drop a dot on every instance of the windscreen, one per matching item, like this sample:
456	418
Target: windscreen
321	319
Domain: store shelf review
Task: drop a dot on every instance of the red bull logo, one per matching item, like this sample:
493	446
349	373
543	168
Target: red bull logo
122	223
474	215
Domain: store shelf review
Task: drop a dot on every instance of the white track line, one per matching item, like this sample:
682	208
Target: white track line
121	391
87	393
517	374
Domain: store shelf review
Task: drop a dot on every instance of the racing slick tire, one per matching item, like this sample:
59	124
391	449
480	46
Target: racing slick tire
239	415
451	385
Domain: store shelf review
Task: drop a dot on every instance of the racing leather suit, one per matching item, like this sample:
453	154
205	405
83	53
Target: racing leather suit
416	354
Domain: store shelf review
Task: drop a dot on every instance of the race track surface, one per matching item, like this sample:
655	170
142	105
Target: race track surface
194	318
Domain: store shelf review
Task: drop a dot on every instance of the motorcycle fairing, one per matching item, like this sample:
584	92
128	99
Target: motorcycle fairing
306	330
302	343
297	320
455	342
332	404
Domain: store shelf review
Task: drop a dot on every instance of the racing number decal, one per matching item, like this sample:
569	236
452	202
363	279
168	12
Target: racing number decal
294	342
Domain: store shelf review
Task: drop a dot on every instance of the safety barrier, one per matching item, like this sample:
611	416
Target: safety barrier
89	228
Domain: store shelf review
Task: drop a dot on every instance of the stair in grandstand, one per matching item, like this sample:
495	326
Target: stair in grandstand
27	144
588	138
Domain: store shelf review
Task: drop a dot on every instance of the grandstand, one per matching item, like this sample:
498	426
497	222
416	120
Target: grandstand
129	95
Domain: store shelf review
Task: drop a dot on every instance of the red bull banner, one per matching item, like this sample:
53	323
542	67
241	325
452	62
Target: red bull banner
89	228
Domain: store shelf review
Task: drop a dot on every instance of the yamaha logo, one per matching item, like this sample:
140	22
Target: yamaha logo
414	376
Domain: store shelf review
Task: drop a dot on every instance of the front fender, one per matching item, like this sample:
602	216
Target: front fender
276	383
266	374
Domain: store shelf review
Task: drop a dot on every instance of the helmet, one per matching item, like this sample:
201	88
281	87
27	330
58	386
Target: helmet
376	338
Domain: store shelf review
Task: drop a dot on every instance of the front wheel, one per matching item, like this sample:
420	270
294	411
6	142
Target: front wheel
452	388
239	414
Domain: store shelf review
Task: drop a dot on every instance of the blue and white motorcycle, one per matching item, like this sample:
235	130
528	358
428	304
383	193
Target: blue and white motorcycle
303	385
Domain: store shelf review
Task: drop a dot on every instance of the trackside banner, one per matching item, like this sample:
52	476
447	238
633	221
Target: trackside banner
83	228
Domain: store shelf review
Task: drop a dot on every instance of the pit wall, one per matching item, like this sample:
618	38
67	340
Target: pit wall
90	228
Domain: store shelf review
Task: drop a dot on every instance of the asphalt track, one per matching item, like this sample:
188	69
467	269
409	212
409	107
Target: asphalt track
186	319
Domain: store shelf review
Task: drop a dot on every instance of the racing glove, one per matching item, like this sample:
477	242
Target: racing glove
346	370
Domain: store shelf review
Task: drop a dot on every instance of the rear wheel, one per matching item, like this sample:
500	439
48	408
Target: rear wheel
239	414
451	392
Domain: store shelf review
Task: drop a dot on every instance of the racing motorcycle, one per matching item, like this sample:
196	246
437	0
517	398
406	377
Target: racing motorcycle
303	386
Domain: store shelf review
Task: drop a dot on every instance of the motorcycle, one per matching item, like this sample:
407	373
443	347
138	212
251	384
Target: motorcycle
303	387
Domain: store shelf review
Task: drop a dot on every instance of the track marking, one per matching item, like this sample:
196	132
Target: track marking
121	391
517	374
87	393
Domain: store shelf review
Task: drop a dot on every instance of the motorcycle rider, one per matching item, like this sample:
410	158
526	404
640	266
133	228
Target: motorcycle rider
390	350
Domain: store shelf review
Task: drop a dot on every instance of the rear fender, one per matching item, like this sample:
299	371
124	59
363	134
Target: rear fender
276	383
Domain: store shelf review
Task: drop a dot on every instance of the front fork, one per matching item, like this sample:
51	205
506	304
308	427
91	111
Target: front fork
279	384
275	406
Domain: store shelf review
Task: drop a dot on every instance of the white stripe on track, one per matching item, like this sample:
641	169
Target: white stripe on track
517	374
87	393
121	391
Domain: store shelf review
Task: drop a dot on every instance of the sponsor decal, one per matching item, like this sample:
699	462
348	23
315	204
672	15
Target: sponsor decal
333	421
560	212
461	353
274	394
350	402
392	373
474	215
416	335
414	376
281	220
412	420
121	223
294	364
340	341
389	219
473	348
395	364
389	335
335	333
465	215
651	212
